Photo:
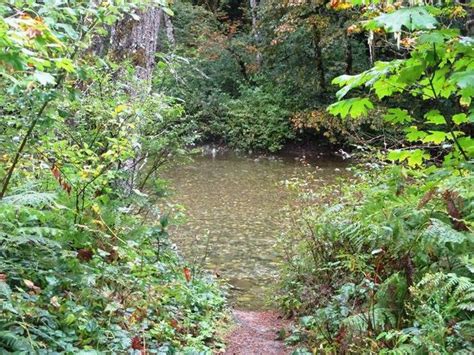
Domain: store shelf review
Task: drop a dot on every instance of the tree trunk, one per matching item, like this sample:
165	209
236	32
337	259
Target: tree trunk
137	40
349	57
169	30
255	33
318	53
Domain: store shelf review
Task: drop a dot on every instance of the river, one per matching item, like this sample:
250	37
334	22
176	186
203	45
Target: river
234	215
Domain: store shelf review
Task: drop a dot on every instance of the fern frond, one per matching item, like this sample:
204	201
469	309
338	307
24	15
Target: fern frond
441	233
12	342
30	198
467	306
14	239
380	317
5	290
458	288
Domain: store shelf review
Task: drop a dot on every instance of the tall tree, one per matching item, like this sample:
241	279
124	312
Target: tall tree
135	38
256	34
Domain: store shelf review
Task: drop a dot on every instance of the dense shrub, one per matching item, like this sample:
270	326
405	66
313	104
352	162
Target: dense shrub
111	284
383	263
85	260
257	121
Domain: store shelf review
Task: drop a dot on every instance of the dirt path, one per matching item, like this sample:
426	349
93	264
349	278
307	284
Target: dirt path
256	333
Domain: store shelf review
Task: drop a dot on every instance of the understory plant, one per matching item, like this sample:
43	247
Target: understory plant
109	284
385	265
85	261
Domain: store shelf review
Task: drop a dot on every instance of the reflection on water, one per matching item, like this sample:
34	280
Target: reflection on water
233	217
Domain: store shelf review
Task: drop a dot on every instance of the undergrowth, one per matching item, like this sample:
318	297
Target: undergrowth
383	264
67	287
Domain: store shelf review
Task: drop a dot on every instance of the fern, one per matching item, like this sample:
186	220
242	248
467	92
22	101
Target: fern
459	288
440	233
21	239
378	316
5	290
355	233
403	349
12	342
30	198
467	301
29	239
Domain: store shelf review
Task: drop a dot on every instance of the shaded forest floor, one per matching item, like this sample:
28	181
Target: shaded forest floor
257	333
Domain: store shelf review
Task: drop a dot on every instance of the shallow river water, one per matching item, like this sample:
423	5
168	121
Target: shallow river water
233	207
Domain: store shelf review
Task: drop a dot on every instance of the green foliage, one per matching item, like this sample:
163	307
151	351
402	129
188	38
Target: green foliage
385	265
85	260
96	287
354	108
414	18
286	61
435	75
256	121
382	264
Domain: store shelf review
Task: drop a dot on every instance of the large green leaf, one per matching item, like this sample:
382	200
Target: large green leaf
436	137
397	115
355	107
435	117
412	157
414	18
464	79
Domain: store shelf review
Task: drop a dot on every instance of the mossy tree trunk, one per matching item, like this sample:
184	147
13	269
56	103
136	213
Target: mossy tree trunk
135	39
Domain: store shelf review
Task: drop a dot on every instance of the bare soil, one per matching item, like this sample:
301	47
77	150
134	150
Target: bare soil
257	333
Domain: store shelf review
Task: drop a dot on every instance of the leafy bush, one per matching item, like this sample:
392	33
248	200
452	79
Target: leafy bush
85	260
384	264
66	287
257	121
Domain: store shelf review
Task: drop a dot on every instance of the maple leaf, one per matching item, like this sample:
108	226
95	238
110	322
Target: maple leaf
414	18
137	343
397	115
355	107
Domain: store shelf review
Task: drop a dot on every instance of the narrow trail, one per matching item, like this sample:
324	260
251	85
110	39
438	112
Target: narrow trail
256	333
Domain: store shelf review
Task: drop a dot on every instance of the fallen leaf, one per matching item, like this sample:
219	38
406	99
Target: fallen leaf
32	286
54	302
187	274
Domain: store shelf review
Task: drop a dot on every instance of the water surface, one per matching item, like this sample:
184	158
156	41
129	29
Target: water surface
233	207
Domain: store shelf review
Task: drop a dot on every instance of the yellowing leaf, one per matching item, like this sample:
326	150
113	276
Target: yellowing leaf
29	283
435	137
416	157
32	286
54	302
120	108
460	118
394	155
435	117
65	63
